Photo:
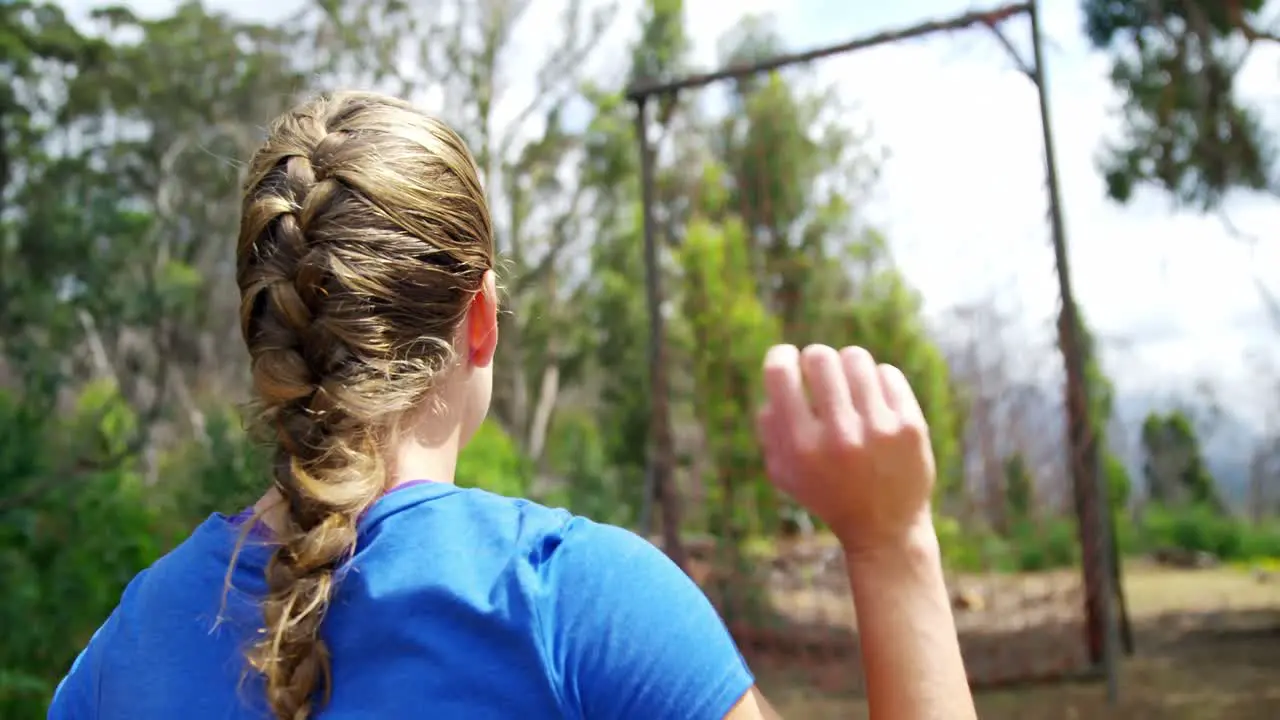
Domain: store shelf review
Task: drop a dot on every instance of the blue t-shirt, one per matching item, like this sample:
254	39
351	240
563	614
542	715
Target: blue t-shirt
457	604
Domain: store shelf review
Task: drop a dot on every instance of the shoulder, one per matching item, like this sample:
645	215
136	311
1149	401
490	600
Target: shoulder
589	572
579	546
569	569
594	577
627	634
552	543
549	549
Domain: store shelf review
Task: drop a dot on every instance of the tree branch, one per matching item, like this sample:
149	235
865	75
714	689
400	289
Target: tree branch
560	240
554	78
1251	33
958	22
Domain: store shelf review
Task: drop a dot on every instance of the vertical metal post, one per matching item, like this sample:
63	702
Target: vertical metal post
661	446
1092	503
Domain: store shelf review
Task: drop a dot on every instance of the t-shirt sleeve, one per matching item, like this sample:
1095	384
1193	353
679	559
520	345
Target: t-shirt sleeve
628	636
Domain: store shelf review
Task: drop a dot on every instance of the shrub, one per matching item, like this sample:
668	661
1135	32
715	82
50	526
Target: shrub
1192	529
1045	545
64	478
491	461
1201	528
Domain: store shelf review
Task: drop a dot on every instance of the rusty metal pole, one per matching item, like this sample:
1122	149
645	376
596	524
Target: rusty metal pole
661	475
1092	504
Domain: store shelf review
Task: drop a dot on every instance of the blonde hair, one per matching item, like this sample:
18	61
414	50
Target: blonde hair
364	237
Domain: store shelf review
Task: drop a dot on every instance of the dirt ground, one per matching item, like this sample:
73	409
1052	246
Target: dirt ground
1203	676
1208	642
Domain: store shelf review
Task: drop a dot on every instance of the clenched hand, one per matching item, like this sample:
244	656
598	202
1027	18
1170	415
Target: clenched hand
847	439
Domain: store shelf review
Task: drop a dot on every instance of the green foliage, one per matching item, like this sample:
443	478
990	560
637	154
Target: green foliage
1173	464
492	461
1030	545
68	550
615	303
1017	487
593	485
1186	130
772	185
1101	409
729	331
223	470
1116	479
962	549
1052	543
1200	528
1045	546
663	41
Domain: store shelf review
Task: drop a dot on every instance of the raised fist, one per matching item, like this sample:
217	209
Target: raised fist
847	439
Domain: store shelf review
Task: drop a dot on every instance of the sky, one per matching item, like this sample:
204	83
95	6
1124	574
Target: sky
1171	295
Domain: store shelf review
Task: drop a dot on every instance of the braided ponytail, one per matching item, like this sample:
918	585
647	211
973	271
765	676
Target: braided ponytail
363	236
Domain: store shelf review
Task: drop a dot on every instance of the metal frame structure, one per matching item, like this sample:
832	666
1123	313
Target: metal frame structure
1096	519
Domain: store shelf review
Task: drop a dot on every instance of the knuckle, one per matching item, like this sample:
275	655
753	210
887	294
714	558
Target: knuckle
887	428
808	447
845	439
914	430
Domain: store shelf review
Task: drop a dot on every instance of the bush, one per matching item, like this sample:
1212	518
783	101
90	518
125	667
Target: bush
1201	528
76	527
1260	542
1030	546
1129	538
224	471
491	461
970	549
1045	545
1052	543
588	483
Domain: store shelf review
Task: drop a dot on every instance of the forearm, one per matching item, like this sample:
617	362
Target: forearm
910	651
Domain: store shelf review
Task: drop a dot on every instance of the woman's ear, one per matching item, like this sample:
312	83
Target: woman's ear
482	322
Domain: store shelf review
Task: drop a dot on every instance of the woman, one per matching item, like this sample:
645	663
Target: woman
364	584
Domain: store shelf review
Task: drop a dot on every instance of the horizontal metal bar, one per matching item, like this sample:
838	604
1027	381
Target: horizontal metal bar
643	90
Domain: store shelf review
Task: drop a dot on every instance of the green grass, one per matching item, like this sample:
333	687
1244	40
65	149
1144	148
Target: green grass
1156	591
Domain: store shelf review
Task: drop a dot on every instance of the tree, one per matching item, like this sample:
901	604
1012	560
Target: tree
1018	487
1174	466
1186	130
1004	413
113	191
1264	479
794	177
1101	412
605	473
729	330
145	204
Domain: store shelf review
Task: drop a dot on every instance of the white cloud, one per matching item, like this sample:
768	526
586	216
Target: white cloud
964	203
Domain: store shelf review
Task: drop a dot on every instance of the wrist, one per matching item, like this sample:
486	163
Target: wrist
915	546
